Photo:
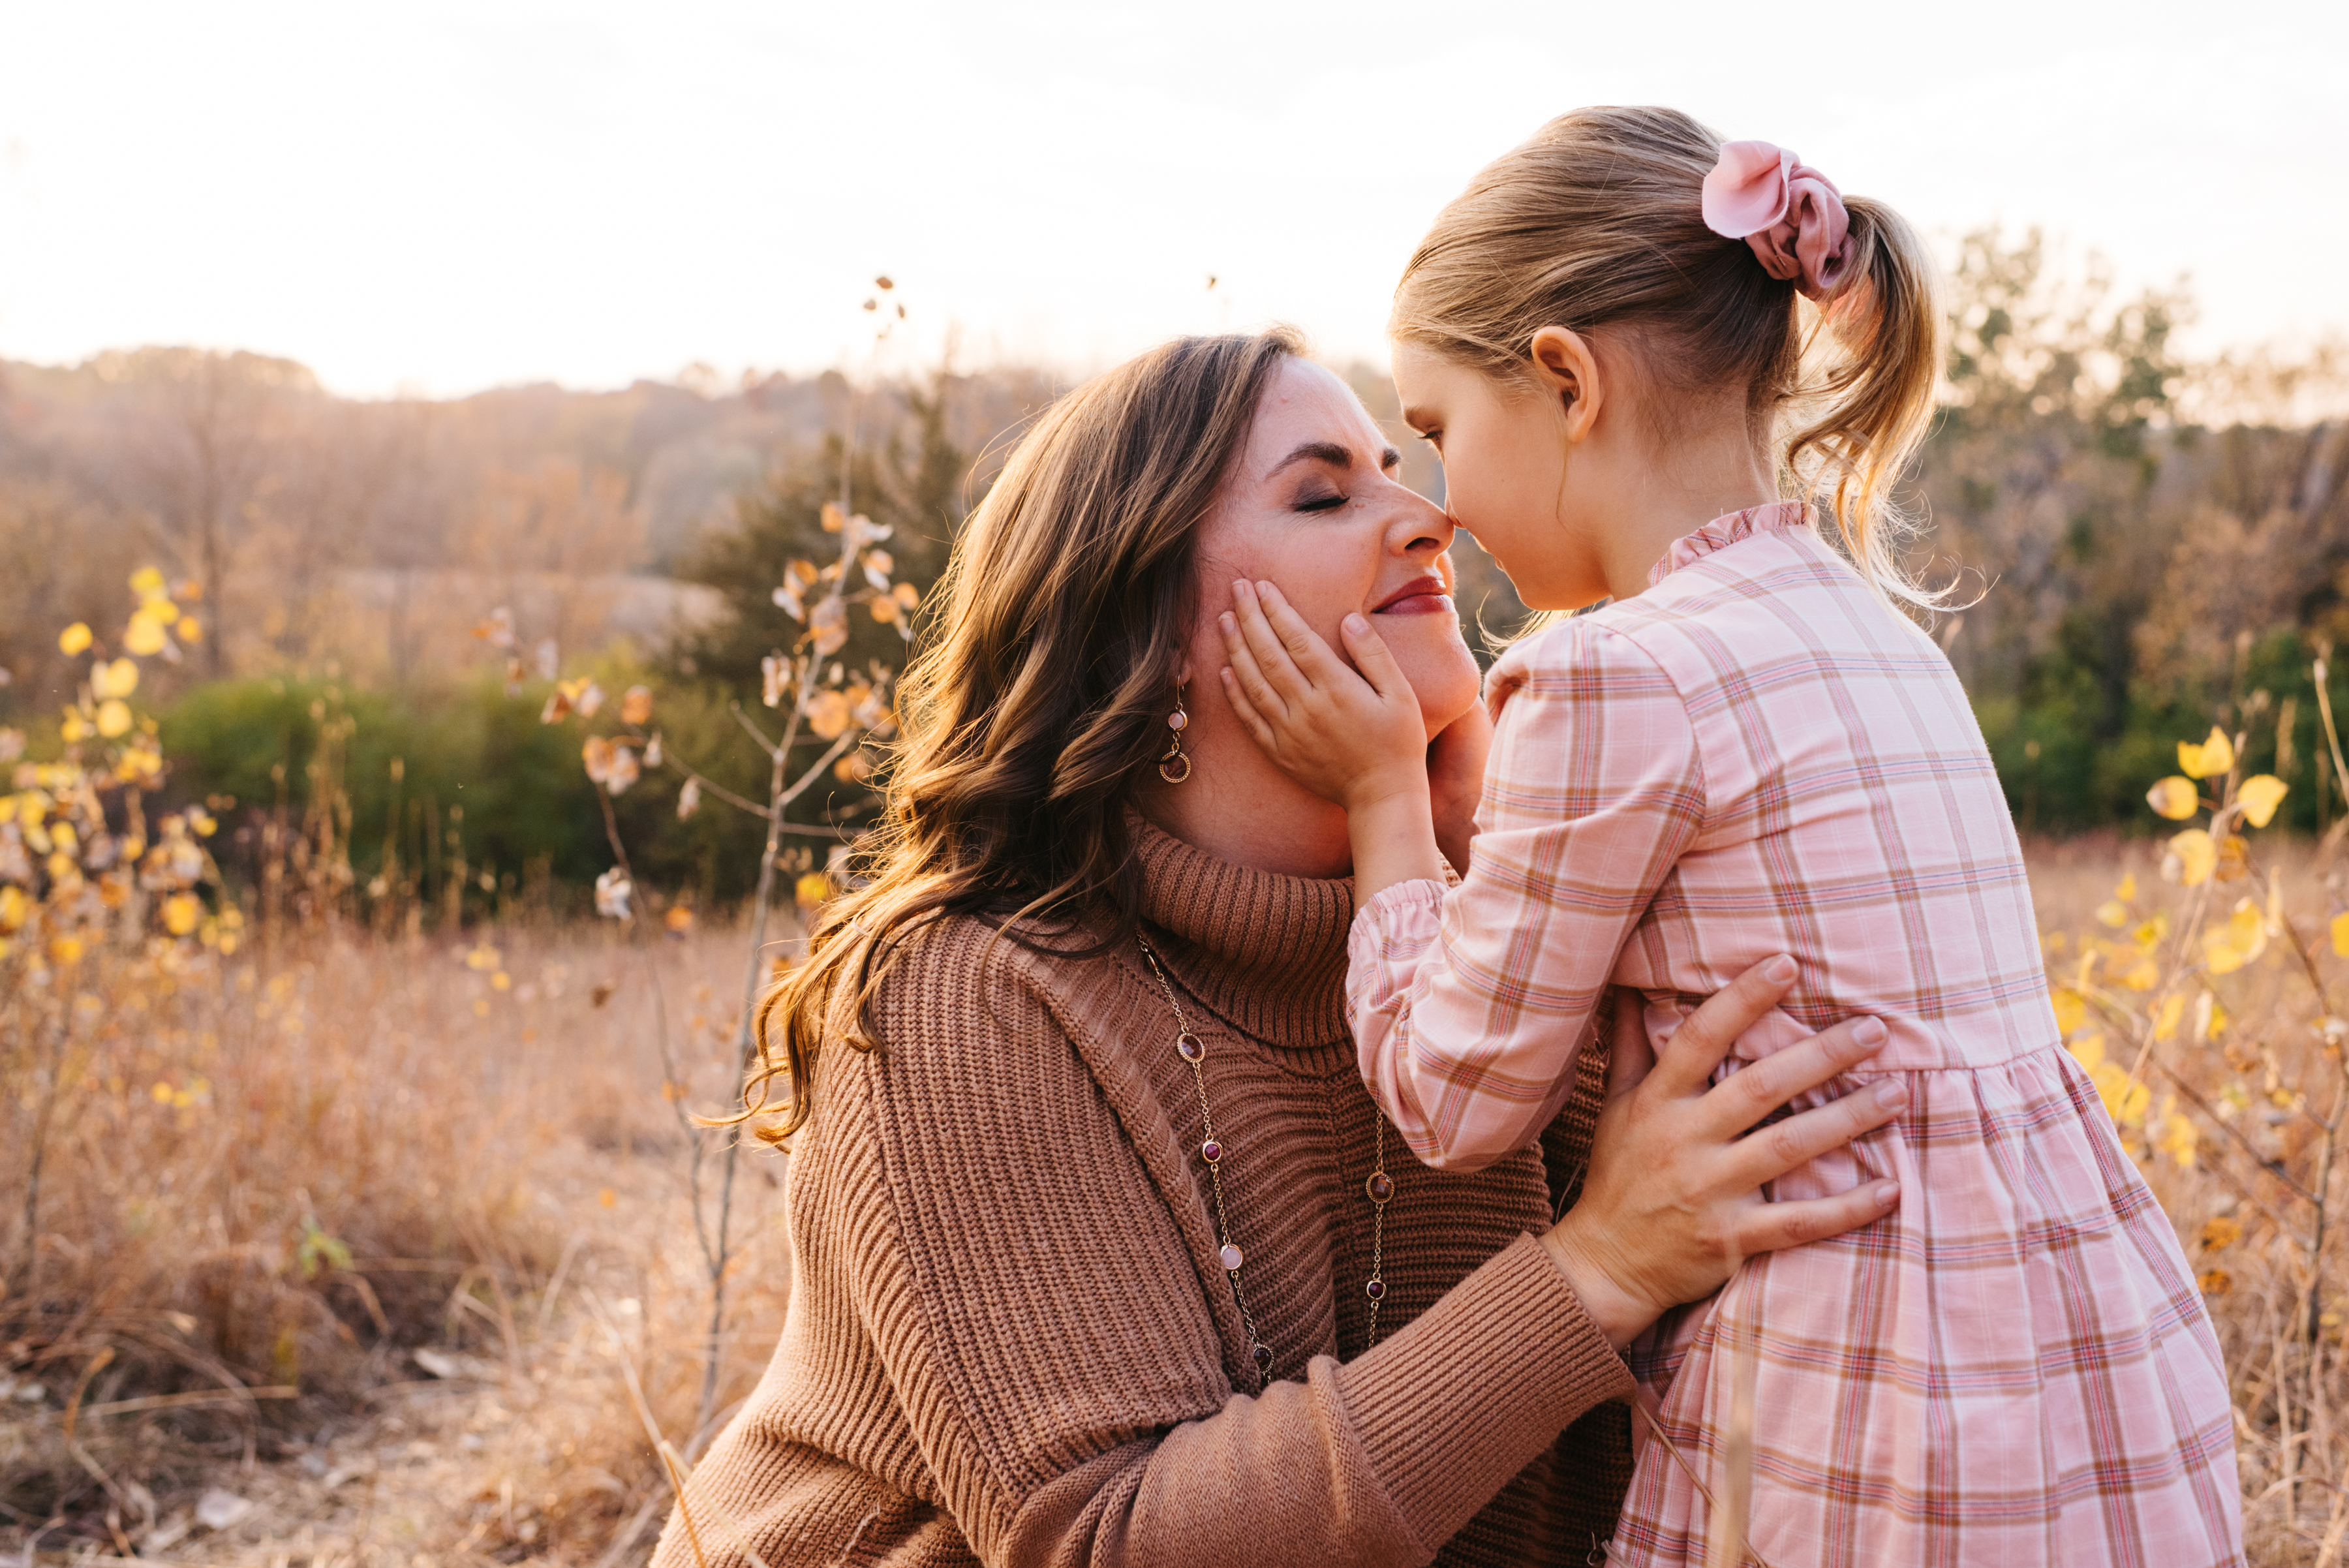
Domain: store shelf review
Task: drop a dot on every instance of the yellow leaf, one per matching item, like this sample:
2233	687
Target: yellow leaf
2341	934
829	623
2172	797
2071	1011
636	707
2165	1024
2211	758
161	611
147	582
502	981
828	714
2113	912
884	609
190	629
2143	977
2216	1282
119	679
484	957
678	919
180	913
14	908
2197	857
2260	795
812	889
2243	937
74	639
2220	1232
2178	1137
833	520
2126	891
143	637
113	718
2124	1099
64	952
2088	1051
907	595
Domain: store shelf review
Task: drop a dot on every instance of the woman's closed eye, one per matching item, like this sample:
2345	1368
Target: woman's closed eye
1320	503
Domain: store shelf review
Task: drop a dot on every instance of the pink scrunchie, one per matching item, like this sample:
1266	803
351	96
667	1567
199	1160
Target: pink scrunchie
1791	215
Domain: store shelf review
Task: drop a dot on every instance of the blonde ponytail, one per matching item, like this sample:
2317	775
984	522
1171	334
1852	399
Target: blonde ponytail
1869	397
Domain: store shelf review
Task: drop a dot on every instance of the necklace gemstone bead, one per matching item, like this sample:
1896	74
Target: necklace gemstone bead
1379	1186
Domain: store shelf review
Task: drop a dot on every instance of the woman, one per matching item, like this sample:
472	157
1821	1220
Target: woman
1102	1252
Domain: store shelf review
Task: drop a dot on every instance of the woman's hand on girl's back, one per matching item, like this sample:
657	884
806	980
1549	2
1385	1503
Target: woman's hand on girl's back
1672	1203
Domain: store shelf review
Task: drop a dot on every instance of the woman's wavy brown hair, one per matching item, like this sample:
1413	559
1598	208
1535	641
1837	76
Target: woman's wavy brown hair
1038	697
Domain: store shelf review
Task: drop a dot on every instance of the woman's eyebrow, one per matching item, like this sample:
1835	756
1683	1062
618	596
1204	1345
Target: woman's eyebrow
1327	452
1332	453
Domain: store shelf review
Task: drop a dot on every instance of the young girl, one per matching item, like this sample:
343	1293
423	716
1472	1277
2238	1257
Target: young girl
1750	752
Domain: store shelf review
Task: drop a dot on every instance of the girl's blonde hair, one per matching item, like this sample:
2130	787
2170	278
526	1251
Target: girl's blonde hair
1595	225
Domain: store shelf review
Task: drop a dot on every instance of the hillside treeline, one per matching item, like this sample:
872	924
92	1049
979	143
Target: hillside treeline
2135	546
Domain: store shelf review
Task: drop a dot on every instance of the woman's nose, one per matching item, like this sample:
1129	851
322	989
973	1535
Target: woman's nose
1419	526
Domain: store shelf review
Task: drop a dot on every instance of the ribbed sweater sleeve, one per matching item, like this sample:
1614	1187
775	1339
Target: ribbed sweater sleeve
1046	1327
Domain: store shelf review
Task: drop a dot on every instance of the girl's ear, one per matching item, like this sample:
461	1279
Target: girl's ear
1568	373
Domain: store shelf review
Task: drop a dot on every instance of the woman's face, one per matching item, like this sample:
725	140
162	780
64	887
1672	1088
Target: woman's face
1316	506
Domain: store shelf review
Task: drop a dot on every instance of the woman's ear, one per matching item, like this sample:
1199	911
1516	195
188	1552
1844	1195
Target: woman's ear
1568	373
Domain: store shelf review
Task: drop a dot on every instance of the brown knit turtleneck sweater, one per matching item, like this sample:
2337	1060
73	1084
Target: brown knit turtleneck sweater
1010	1340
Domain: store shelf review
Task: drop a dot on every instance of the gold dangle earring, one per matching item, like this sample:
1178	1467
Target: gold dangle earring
1175	766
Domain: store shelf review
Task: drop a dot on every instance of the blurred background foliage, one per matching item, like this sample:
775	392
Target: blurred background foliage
2138	545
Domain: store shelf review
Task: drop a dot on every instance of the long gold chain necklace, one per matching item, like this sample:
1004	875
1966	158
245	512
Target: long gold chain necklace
1379	1187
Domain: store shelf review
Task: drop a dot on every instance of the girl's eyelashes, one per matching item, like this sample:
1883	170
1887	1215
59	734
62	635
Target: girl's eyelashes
1321	503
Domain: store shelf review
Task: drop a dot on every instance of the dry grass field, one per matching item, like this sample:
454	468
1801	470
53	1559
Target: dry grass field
359	1248
366	1244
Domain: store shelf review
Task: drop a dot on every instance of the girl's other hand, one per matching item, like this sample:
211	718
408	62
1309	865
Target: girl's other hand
1673	1202
1455	782
1355	739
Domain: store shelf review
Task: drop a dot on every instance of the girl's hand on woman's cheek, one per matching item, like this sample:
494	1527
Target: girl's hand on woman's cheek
1355	739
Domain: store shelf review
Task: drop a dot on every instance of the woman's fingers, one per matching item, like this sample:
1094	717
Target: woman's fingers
1768	1227
1768	1153
1760	1087
1686	1063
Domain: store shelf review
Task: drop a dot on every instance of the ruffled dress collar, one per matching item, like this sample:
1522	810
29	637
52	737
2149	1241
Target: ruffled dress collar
1777	517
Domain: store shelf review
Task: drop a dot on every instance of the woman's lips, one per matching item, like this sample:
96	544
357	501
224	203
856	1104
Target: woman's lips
1425	596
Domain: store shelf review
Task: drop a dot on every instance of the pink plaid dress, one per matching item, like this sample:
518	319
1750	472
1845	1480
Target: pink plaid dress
1753	757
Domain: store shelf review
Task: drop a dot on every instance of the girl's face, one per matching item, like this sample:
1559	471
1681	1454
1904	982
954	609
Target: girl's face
1504	478
1315	505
